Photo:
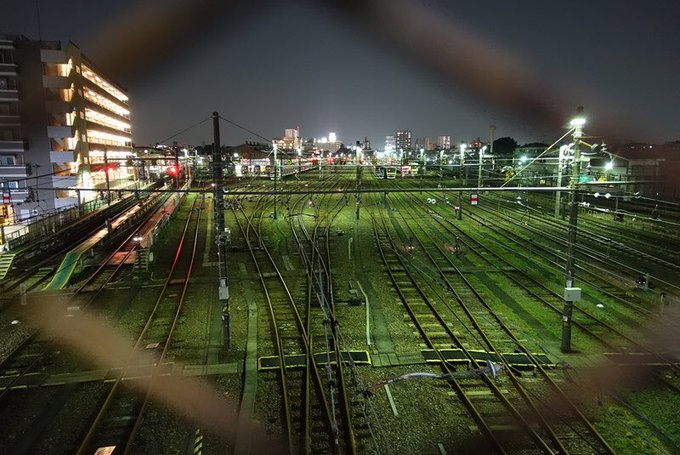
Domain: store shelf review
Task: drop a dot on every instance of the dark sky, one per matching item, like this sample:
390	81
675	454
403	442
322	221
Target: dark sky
322	68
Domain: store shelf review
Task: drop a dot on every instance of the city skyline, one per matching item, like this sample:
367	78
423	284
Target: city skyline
269	77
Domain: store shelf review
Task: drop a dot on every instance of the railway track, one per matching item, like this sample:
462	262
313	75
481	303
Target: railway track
36	352
122	411
290	337
572	433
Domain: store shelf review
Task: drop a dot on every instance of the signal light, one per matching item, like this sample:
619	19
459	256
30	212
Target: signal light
173	170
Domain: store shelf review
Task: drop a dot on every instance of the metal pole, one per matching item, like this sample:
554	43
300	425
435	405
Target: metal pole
441	157
13	219
106	173
479	174
220	234
177	164
571	239
80	203
460	205
358	185
558	193
276	171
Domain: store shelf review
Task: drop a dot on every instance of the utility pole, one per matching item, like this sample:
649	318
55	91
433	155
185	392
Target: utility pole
441	170
175	148
558	193
220	233
276	171
299	154
492	128
463	146
358	184
460	205
106	173
571	293
479	174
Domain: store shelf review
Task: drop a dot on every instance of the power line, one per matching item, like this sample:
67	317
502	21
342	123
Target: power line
246	129
185	130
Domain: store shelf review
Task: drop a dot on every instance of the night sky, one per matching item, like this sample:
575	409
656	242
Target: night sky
320	66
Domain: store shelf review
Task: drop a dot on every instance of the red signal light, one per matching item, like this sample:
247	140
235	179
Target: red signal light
173	170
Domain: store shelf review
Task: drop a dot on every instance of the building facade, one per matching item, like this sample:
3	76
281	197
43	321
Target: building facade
444	142
403	140
65	133
290	141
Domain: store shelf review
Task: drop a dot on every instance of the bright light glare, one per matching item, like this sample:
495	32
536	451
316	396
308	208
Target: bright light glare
523	158
609	166
578	121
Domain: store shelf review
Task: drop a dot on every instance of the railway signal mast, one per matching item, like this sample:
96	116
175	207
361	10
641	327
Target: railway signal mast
571	293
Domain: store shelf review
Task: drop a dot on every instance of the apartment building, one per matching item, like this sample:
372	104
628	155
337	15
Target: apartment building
65	133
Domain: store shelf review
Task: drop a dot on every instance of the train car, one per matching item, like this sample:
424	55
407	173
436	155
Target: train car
380	172
391	173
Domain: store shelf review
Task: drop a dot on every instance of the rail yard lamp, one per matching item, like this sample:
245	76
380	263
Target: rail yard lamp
571	293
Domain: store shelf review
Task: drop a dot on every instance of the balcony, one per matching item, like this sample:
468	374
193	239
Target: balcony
53	56
58	107
56	82
12	171
12	146
62	157
9	95
60	132
8	69
10	120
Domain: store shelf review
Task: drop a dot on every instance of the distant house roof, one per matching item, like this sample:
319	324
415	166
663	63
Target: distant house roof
256	151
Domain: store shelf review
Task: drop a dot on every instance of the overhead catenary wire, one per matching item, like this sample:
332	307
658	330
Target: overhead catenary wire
185	130
231	122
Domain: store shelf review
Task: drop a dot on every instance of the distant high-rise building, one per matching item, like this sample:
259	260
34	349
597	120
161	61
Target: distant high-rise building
403	140
62	119
424	143
390	145
444	142
291	139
